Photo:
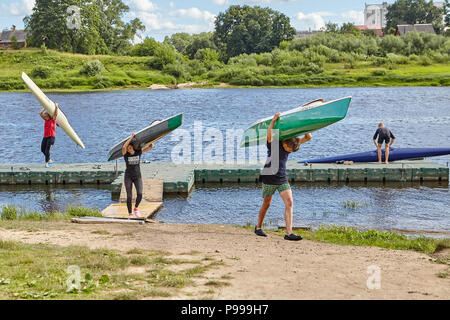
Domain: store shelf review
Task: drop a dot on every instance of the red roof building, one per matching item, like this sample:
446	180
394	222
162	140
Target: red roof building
378	31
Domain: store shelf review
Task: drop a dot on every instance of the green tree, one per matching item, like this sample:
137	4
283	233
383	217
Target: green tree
180	41
95	26
447	13
331	27
413	12
245	29
349	28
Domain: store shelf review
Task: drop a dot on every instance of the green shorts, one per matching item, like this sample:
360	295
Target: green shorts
270	189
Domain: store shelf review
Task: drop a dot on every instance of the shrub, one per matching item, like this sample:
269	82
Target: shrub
42	72
92	68
425	61
379	72
101	83
177	70
311	68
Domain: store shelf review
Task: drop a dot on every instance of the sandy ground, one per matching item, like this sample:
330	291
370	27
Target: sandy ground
265	268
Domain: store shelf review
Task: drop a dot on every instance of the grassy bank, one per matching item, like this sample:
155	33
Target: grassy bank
73	72
11	216
38	271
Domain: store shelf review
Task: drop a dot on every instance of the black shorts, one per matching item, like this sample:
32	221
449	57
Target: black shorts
384	139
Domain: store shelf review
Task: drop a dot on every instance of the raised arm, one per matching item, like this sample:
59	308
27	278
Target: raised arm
42	113
306	138
127	143
55	114
272	124
150	147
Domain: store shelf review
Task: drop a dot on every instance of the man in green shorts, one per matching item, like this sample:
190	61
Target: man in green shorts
274	178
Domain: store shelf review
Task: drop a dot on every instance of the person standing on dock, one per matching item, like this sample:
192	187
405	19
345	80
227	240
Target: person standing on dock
132	152
49	134
274	178
384	135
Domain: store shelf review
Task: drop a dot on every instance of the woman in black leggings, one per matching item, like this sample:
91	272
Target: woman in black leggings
132	153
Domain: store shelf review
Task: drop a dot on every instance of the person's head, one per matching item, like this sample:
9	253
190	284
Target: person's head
291	144
133	146
381	125
46	116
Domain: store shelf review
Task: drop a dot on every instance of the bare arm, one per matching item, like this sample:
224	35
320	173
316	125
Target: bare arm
272	124
42	113
55	114
392	142
306	138
150	147
127	143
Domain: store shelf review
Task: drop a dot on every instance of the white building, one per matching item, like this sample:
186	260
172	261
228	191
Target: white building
375	15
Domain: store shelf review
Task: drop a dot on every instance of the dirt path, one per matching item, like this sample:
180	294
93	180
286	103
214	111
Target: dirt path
264	268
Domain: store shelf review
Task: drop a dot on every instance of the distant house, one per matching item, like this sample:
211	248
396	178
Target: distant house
405	28
378	31
7	38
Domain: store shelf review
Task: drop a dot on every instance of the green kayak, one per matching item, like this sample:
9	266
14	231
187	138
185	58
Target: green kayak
310	117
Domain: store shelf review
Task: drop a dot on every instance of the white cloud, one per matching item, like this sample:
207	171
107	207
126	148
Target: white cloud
313	21
22	8
251	2
221	2
195	13
356	17
171	4
143	5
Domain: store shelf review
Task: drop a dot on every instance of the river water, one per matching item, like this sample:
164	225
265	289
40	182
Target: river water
418	116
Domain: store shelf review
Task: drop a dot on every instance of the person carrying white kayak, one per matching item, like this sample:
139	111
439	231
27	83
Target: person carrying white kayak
49	134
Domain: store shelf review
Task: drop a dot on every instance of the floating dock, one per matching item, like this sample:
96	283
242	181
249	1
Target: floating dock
181	178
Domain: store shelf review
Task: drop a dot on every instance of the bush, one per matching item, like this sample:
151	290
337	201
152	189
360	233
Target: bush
42	72
311	68
177	70
379	72
101	83
92	68
425	61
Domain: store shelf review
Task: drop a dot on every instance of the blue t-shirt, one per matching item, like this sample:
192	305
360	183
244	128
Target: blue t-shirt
274	171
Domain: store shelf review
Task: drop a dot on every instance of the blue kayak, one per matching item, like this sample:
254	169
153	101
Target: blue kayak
395	154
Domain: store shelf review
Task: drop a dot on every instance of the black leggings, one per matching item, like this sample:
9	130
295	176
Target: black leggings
46	145
137	181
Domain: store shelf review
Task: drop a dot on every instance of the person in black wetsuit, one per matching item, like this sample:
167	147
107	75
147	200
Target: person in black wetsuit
384	135
132	155
274	178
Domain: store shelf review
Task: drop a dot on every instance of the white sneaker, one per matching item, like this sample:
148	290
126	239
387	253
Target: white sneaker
137	213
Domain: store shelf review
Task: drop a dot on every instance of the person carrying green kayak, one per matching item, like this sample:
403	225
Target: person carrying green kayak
274	178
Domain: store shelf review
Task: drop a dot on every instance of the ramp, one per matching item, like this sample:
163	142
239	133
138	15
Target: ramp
153	191
151	201
120	211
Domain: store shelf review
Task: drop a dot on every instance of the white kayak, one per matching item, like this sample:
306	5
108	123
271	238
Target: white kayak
49	106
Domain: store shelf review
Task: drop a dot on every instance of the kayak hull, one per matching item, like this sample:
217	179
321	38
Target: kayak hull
49	107
148	135
395	154
307	118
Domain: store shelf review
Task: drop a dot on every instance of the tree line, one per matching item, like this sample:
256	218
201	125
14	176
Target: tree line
96	27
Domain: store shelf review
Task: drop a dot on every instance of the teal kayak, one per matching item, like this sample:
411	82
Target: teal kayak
310	117
155	131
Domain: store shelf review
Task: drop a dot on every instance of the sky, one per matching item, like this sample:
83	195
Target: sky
163	18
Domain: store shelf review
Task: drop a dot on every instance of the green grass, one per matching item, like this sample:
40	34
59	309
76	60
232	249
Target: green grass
64	72
40	271
383	239
12	212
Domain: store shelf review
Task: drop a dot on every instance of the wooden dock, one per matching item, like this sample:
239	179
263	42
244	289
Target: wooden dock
181	178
